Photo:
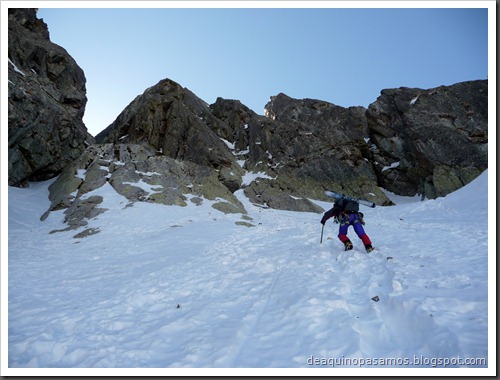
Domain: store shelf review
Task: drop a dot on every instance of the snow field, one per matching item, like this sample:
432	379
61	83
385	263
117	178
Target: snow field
174	287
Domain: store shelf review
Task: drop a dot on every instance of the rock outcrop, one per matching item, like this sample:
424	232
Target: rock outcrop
325	145
139	174
170	147
173	122
307	146
47	99
429	142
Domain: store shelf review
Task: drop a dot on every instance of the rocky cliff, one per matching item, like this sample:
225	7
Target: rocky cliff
173	121
429	142
47	99
170	147
409	141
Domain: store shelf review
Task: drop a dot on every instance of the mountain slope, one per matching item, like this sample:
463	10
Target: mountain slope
167	286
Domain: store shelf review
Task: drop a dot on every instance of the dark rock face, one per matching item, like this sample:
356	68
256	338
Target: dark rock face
410	141
171	120
324	147
305	146
153	117
46	102
430	142
174	122
167	140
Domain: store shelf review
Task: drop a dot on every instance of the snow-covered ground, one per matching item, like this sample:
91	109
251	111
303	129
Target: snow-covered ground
173	287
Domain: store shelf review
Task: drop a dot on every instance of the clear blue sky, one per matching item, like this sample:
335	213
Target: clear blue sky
343	56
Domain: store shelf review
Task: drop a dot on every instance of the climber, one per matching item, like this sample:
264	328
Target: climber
346	212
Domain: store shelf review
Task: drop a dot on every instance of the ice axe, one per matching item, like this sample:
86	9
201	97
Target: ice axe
321	240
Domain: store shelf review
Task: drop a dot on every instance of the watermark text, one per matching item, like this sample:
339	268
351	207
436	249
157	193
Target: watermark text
415	361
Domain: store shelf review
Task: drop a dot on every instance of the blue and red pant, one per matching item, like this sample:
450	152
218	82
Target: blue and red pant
352	220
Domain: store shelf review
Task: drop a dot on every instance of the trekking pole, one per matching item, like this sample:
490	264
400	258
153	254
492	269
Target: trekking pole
321	240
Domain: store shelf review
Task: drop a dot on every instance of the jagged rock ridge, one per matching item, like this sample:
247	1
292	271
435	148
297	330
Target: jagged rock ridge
409	141
301	148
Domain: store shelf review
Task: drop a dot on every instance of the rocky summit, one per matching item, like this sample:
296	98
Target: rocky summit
168	146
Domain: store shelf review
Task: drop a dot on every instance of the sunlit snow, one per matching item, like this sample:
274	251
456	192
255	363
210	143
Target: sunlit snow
168	286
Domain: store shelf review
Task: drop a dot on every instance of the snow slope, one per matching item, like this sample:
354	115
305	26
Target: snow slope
173	287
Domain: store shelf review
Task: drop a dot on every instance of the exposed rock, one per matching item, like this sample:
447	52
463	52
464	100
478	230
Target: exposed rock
248	134
139	175
268	193
46	102
245	224
224	138
83	209
86	233
170	147
307	145
430	142
172	120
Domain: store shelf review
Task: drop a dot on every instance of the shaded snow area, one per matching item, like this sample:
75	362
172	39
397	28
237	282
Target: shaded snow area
186	287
